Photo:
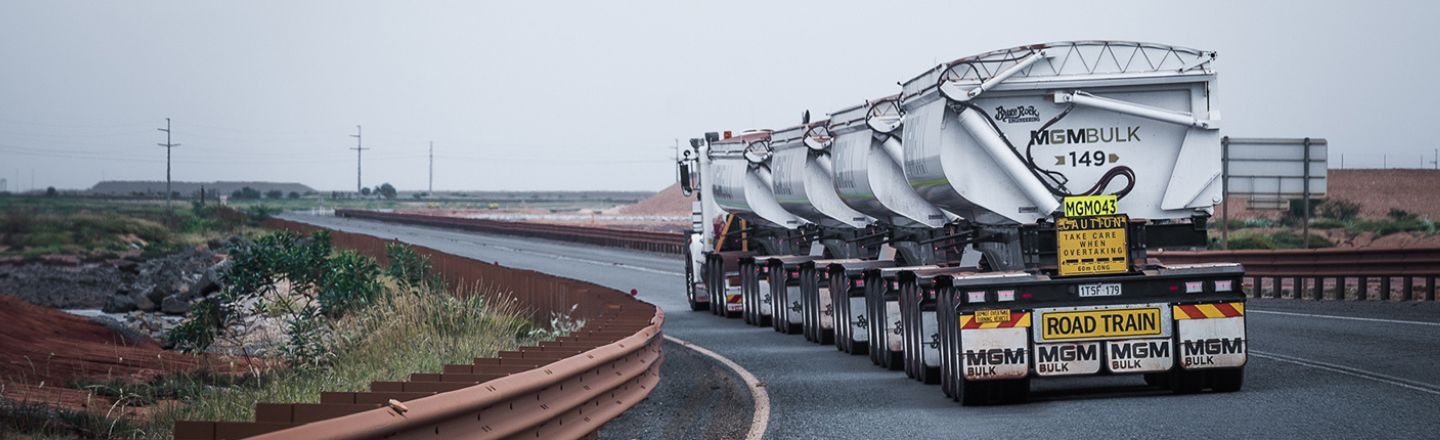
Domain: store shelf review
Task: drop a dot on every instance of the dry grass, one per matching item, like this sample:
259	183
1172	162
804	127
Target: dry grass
410	332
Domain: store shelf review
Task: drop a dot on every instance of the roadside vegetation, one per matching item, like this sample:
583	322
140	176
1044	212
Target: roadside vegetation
31	226
311	318
1332	222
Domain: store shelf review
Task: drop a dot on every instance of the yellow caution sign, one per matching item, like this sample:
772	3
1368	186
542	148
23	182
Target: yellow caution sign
1092	245
1089	206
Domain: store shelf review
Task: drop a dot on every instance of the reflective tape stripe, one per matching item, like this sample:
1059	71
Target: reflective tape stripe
1017	319
1204	311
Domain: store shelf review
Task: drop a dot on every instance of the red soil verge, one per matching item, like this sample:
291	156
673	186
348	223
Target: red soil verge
42	350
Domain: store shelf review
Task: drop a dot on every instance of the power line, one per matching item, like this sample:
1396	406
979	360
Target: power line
358	149
168	146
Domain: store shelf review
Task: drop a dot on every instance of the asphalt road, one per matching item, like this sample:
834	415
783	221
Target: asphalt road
1317	370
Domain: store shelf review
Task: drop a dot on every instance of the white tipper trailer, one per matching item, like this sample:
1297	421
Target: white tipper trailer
1016	193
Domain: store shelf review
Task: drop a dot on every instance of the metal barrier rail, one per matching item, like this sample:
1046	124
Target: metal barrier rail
566	388
1356	274
1336	274
662	242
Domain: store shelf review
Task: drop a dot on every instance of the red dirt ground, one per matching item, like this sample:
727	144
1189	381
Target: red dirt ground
669	201
1376	191
43	349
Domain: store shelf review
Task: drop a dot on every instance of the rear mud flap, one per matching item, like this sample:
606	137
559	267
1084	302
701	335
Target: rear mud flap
995	353
827	319
893	337
858	322
1212	343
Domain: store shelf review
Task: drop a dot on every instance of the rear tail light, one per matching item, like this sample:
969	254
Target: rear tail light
1194	286
975	297
1005	295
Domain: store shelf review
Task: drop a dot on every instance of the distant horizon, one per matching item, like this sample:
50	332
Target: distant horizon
525	95
91	188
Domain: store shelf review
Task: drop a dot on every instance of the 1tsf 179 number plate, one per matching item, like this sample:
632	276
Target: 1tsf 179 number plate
1099	289
1092	245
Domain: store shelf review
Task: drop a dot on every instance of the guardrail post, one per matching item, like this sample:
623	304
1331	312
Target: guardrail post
1277	287
1362	293
1319	293
1409	293
1256	289
1297	288
1385	288
1340	288
1430	288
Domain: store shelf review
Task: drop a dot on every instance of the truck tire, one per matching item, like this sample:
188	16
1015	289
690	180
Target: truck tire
973	393
892	361
1228	380
1161	380
699	306
1015	391
1187	382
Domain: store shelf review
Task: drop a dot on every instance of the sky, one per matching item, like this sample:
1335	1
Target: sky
542	95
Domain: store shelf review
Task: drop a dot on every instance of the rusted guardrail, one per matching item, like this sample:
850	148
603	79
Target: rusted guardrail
1357	274
662	242
1338	274
566	388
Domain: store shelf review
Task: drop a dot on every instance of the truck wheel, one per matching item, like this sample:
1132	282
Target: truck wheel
974	393
1161	380
1187	382
1015	391
1227	380
894	361
929	375
699	306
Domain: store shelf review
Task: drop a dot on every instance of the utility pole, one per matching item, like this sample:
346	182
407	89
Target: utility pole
431	187
168	145
358	148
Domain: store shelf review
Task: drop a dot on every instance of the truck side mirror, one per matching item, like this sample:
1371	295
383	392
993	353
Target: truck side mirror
686	186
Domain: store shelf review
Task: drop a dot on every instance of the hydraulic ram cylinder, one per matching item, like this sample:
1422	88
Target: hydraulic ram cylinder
985	135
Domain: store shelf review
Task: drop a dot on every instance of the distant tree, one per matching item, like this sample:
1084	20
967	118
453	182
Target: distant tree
386	190
245	193
274	194
51	192
294	195
364	191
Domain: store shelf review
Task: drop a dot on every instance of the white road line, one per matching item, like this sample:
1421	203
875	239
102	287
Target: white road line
761	420
1354	372
1345	318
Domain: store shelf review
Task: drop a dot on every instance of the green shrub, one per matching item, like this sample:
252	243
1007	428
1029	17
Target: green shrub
350	281
1251	242
413	269
1339	209
1291	240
